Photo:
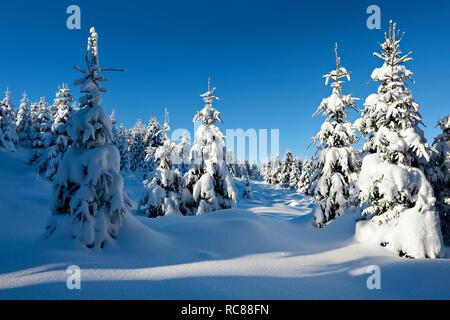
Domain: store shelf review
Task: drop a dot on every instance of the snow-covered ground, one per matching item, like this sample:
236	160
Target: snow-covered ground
267	248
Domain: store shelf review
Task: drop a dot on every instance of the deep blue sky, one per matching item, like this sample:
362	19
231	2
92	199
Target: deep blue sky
267	58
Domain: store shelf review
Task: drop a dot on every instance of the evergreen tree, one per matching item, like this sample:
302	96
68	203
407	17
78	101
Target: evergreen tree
89	196
275	173
154	138
58	139
400	213
439	175
164	191
267	170
211	183
137	147
114	130
232	163
41	129
247	192
304	183
183	163
245	169
286	168
336	156
8	134
24	123
296	170
255	172
122	145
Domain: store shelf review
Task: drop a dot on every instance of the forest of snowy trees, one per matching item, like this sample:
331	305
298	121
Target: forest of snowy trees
397	183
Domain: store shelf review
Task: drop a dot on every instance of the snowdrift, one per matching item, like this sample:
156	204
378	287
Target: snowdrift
267	248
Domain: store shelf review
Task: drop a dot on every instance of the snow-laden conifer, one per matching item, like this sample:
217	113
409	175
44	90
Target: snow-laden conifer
401	213
439	175
42	122
58	139
8	134
296	171
266	171
89	198
247	192
336	156
136	146
24	123
154	138
304	182
285	170
121	143
164	190
183	161
211	183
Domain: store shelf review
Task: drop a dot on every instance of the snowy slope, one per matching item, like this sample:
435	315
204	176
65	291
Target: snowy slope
267	248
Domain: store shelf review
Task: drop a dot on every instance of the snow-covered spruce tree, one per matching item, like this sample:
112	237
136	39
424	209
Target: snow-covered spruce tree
154	138
41	129
89	196
214	187
164	190
296	170
267	170
304	182
24	123
336	156
58	141
247	192
439	175
231	162
8	134
255	174
122	145
183	161
286	168
114	130
241	168
136	147
275	173
400	213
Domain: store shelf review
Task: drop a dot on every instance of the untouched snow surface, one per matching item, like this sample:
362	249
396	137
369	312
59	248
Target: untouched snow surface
267	248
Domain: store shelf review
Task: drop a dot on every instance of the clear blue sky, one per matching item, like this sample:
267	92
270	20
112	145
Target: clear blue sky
267	58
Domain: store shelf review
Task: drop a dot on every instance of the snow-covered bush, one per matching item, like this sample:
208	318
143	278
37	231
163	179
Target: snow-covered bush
8	134
58	140
210	181
89	198
336	156
400	213
439	175
24	123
